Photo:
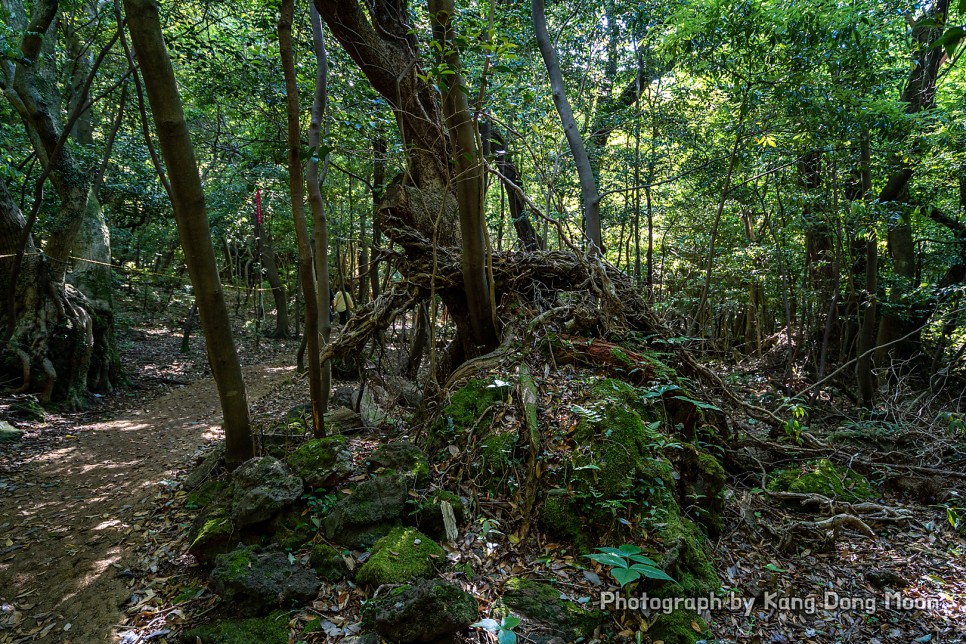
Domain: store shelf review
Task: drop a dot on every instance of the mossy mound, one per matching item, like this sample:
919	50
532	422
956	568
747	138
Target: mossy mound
322	462
272	629
542	603
466	406
825	478
328	563
623	471
401	457
402	555
679	627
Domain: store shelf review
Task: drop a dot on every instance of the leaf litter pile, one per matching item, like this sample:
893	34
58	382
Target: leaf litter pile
793	566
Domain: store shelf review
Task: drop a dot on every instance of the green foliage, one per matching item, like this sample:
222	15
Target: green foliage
503	628
628	565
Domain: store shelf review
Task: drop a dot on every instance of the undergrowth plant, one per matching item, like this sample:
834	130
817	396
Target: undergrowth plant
629	565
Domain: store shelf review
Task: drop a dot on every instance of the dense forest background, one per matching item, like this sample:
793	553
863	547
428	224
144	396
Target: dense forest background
752	162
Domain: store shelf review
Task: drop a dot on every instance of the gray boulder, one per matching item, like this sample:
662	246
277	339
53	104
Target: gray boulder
262	487
256	582
369	513
425	612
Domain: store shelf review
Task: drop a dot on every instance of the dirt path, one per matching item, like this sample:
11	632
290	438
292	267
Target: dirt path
67	527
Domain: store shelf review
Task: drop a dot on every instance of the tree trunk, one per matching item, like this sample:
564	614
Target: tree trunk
50	328
190	213
919	95
378	185
296	187
319	220
588	185
468	164
266	253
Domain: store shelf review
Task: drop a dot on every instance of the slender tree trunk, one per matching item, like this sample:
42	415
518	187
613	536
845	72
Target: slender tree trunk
188	200
319	220
378	183
296	187
588	185
266	252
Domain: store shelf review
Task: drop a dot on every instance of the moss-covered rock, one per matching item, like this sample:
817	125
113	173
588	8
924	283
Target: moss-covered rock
823	477
427	514
322	462
262	487
402	555
256	581
559	518
370	512
466	406
423	612
679	627
211	533
401	457
293	528
543	603
328	563
272	629
209	492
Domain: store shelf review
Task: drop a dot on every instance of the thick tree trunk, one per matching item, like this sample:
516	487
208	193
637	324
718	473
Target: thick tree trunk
52	332
57	343
190	212
898	338
468	164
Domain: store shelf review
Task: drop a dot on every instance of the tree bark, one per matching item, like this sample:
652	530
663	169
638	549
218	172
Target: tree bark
266	253
468	178
588	185
319	220
296	187
188	200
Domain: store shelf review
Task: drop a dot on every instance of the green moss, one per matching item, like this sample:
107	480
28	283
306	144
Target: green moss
467	404
398	558
328	563
264	630
496	452
320	459
542	602
216	528
206	494
236	563
313	626
559	519
677	628
619	444
621	355
823	477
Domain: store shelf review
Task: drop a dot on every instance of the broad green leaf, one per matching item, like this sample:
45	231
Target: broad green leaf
651	572
608	559
511	621
625	576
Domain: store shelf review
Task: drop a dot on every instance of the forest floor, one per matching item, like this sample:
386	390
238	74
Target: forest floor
76	492
93	523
